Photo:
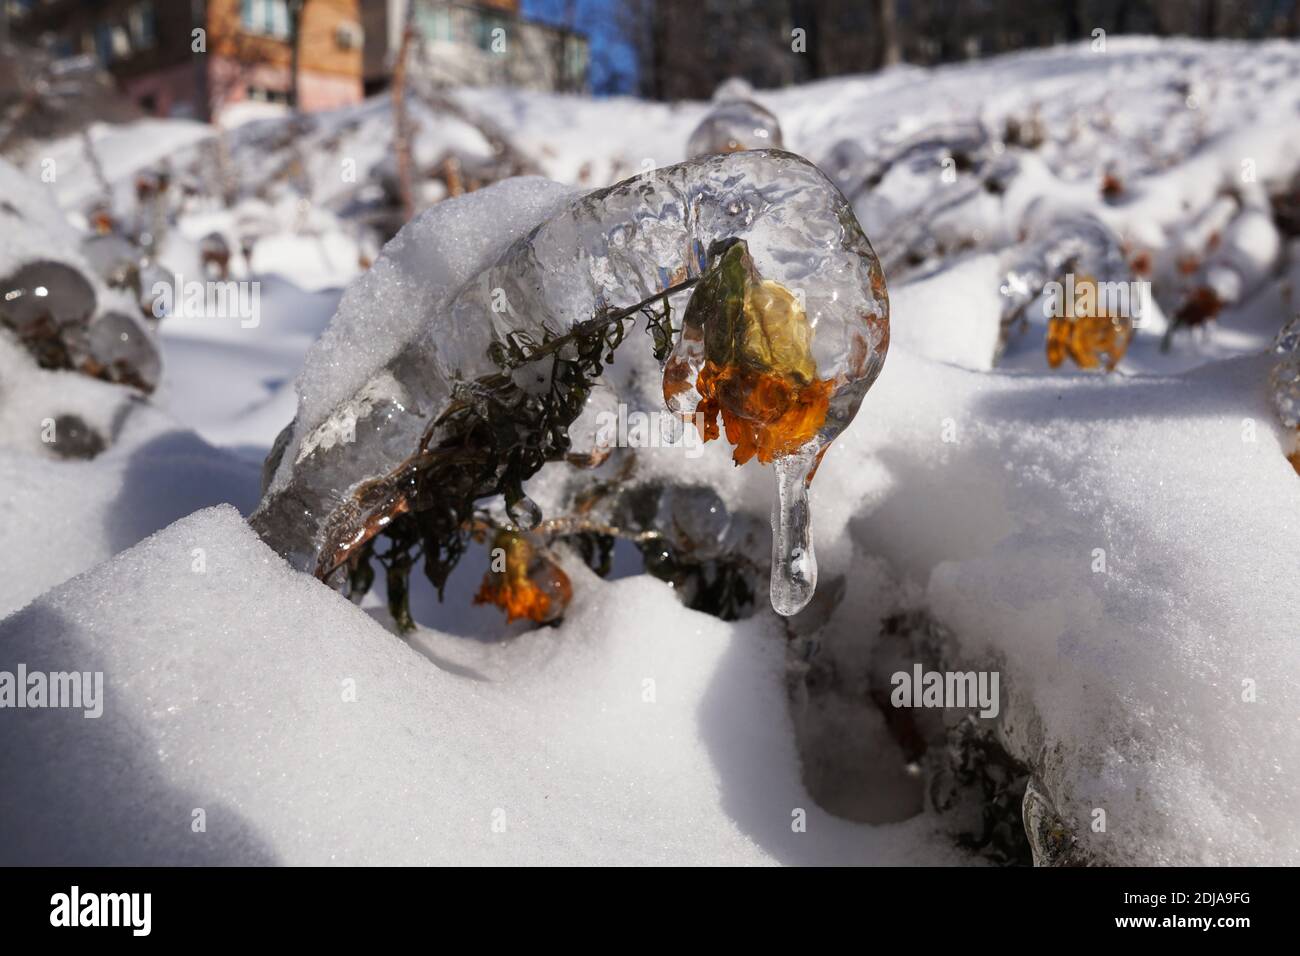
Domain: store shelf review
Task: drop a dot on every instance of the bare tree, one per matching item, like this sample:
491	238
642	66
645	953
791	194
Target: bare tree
1209	18
295	51
401	122
565	32
886	12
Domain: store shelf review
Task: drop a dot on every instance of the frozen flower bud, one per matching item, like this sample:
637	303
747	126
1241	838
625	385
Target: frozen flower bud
214	253
114	258
45	303
524	581
758	371
746	354
117	348
42	292
1088	331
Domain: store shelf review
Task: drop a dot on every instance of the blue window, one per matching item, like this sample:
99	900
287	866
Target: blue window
104	44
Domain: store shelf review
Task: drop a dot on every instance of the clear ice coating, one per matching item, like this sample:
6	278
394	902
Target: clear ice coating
1284	380
1057	243
115	258
45	294
524	512
746	355
734	125
959	145
332	484
51	307
117	347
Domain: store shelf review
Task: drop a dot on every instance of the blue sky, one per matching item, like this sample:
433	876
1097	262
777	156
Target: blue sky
613	62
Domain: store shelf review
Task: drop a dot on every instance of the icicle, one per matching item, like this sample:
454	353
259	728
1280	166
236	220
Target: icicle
794	563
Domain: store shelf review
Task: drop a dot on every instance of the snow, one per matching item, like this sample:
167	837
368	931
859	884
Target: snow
980	491
953	316
83	512
307	735
1130	678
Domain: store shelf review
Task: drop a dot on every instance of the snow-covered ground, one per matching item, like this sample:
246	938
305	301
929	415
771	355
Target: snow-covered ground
1118	547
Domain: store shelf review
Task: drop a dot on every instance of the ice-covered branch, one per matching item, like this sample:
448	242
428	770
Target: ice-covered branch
423	433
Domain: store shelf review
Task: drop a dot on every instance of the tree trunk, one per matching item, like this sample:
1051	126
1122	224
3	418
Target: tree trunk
658	52
887	25
401	132
1073	20
1122	10
562	84
295	50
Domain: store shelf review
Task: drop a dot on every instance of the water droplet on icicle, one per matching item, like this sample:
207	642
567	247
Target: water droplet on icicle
524	512
794	564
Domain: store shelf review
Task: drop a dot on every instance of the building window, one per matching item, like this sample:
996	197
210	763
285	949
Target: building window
121	41
485	28
104	44
575	61
270	17
143	23
260	94
435	24
17	9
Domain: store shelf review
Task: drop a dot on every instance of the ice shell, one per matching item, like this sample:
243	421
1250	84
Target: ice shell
734	125
118	348
45	291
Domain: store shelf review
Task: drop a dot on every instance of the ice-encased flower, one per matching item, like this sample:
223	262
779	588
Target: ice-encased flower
603	254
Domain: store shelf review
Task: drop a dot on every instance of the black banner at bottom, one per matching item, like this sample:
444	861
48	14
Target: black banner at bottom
339	905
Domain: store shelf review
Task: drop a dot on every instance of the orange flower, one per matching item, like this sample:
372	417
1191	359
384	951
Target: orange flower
1090	333
763	413
524	582
753	344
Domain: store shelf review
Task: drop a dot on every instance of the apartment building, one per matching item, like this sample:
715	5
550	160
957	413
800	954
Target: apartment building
488	43
198	57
